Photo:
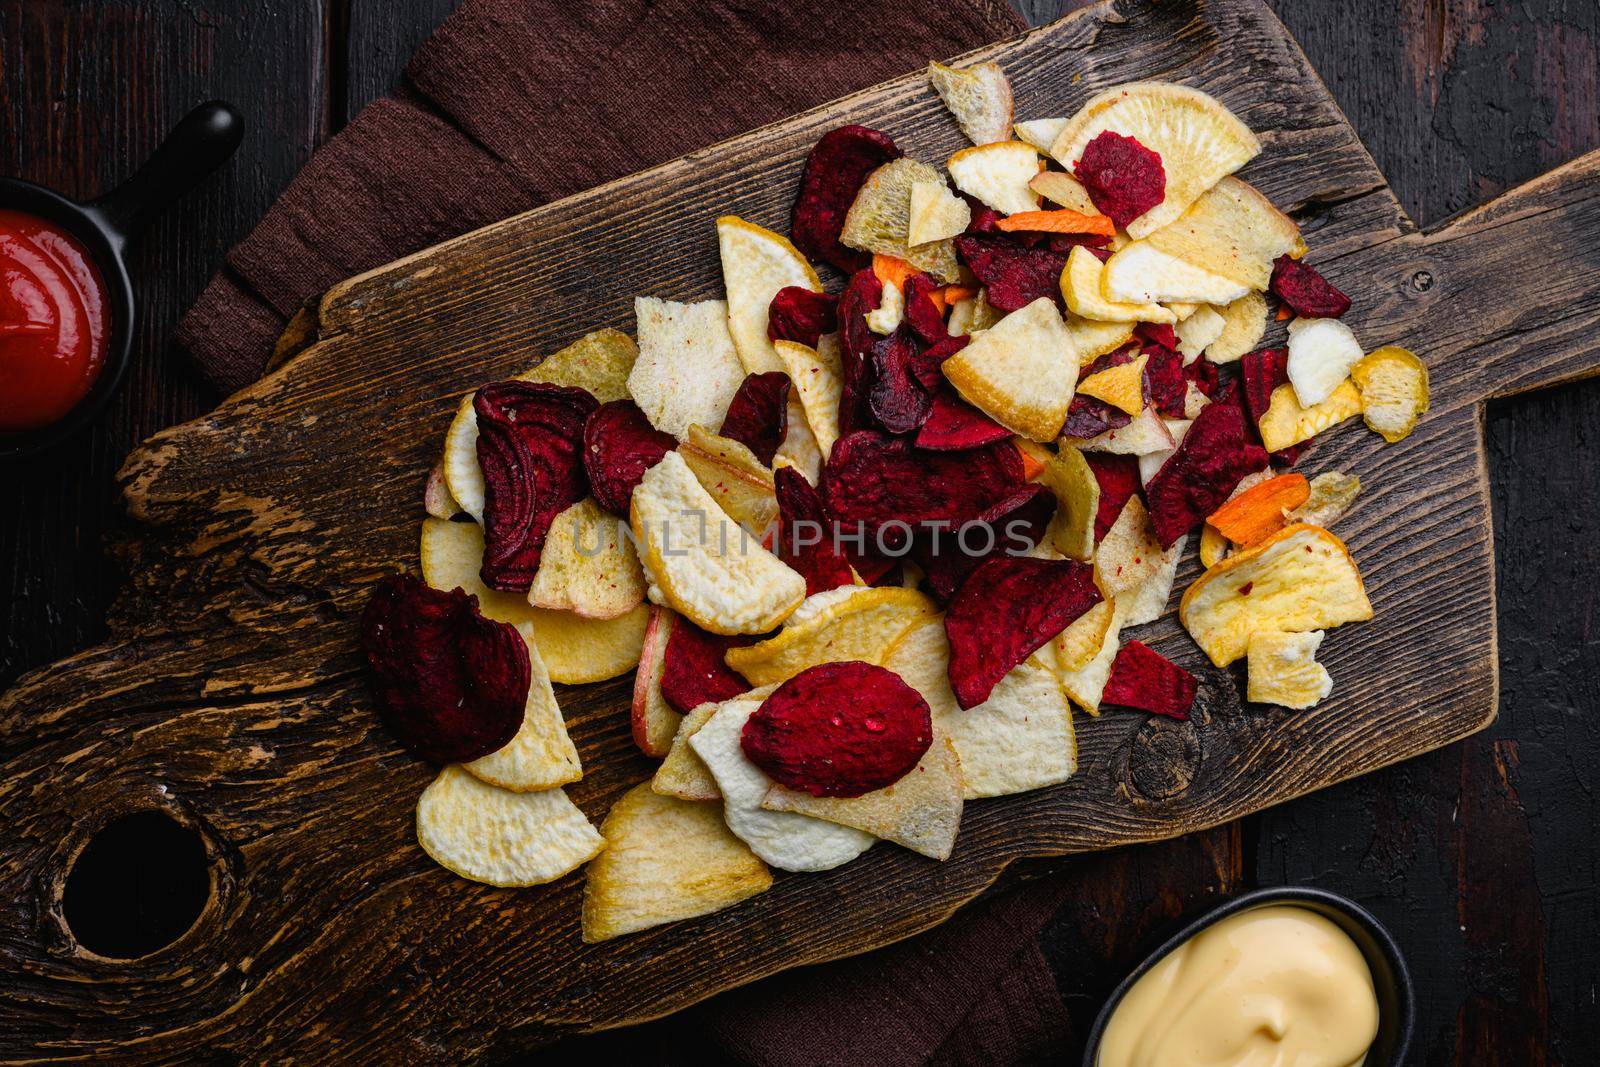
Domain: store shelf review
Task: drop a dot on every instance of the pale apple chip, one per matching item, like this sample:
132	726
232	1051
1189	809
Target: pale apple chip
1140	273
463	478
1244	323
436	498
589	567
1020	372
1199	330
655	722
1394	391
681	773
937	214
756	263
540	755
879	220
973	315
1198	139
1147	433
734	477
922	811
598	362
666	859
1061	188
1092	339
1076	646
861	626
1332	493
817	385
1121	386
1300	578
1321	354
785	839
978	96
1077	491
1286	423
494	836
701	563
800	448
1085	685
1042	133
1129	553
1150	463
1082	288
1213	546
1020	738
998	174
575	650
1283	670
1147	601
1219	249
890	312
688	367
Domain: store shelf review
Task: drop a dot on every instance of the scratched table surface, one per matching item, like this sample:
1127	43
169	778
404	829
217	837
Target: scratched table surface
1481	857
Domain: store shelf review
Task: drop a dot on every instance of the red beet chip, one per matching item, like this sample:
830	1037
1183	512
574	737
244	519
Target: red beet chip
758	414
861	297
1164	381
798	314
1118	477
1149	681
898	401
693	670
835	170
619	445
921	312
1262	371
839	730
1013	276
1007	609
1011	527
1064	243
1124	178
954	425
1307	293
531	450
1126	354
883	489
1215	454
805	538
1205	375
1158	333
928	366
1089	416
984	219
449	683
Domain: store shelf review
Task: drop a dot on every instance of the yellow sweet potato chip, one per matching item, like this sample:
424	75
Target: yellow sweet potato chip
1394	391
1121	386
1020	372
862	626
1286	423
1082	288
734	477
1077	491
598	362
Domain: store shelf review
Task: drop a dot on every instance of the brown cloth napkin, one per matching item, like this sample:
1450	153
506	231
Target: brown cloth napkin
511	104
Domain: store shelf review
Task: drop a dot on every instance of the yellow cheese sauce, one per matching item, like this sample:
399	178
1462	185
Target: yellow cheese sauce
1275	986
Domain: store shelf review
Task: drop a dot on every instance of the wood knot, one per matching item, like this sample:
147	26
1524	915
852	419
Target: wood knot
1163	759
1422	281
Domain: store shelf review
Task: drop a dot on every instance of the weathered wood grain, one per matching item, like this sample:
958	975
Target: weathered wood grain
228	692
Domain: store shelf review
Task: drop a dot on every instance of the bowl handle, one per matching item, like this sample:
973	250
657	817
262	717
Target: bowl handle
197	145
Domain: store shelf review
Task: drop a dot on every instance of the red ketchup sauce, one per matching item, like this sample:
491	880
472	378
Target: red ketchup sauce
54	320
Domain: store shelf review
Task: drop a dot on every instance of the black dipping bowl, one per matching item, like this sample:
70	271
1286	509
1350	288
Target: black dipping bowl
200	143
1397	1007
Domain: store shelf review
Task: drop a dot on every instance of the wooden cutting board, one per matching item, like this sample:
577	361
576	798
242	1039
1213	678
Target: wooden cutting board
229	695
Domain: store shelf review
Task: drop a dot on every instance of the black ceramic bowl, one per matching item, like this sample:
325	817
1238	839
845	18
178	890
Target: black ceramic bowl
200	143
1390	978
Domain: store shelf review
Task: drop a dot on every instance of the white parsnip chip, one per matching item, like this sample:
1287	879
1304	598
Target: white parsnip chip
688	367
492	835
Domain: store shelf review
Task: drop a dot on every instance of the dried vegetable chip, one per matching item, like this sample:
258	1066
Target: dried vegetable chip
818	384
1244	323
880	217
694	670
739	482
619	445
1121	386
1287	424
1021	372
1005	610
758	414
530	449
589	567
997	175
1321	353
839	730
1394	391
1073	483
1215	454
1013	526
665	859
540	755
498	837
861	626
688	368
1150	682
801	314
897	400
937	214
757	264
1283	670
1306	292
1083	289
655	722
681	773
1332	493
835	170
953	425
598	363
1129	553
1013	276
1124	178
805	539
978	96
1257	512
437	500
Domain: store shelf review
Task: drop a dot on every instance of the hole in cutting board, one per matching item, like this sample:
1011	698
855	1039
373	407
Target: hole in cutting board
137	886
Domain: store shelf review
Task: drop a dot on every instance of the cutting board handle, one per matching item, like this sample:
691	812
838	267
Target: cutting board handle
1509	293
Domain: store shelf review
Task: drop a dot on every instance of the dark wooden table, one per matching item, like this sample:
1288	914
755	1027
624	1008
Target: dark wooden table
1481	857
